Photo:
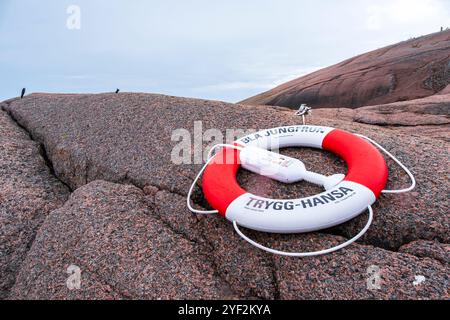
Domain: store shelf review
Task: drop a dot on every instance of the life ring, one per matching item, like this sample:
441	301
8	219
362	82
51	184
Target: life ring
365	179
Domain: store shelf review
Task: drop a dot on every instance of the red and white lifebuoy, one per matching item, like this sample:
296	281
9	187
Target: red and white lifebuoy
365	179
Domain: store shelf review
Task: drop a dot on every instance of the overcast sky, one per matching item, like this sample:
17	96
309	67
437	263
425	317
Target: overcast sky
224	50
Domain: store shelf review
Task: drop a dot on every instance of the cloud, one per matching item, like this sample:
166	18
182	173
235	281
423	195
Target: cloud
374	19
294	74
78	77
231	86
261	84
386	14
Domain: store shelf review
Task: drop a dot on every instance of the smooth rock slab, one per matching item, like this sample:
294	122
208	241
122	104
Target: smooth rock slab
122	249
28	192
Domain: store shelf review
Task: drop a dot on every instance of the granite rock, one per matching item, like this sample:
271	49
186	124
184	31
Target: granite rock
131	246
127	138
127	228
428	249
28	192
121	249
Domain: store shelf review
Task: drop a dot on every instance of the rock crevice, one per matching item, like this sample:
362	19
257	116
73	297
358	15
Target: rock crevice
28	193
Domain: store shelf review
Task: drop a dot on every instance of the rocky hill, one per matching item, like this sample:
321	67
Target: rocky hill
87	181
409	70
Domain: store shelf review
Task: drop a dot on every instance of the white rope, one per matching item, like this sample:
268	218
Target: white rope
307	254
191	189
413	180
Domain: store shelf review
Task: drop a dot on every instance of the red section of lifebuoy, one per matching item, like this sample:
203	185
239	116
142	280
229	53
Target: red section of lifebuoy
365	164
220	186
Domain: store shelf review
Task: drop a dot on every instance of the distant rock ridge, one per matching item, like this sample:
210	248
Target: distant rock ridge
409	70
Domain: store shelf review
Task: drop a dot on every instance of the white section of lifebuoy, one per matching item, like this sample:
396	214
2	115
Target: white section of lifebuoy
327	209
291	136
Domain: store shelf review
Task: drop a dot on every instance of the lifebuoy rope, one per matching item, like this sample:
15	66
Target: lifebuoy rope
300	254
411	176
307	254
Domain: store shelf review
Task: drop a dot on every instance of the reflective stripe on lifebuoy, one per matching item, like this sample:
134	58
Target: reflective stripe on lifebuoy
366	177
